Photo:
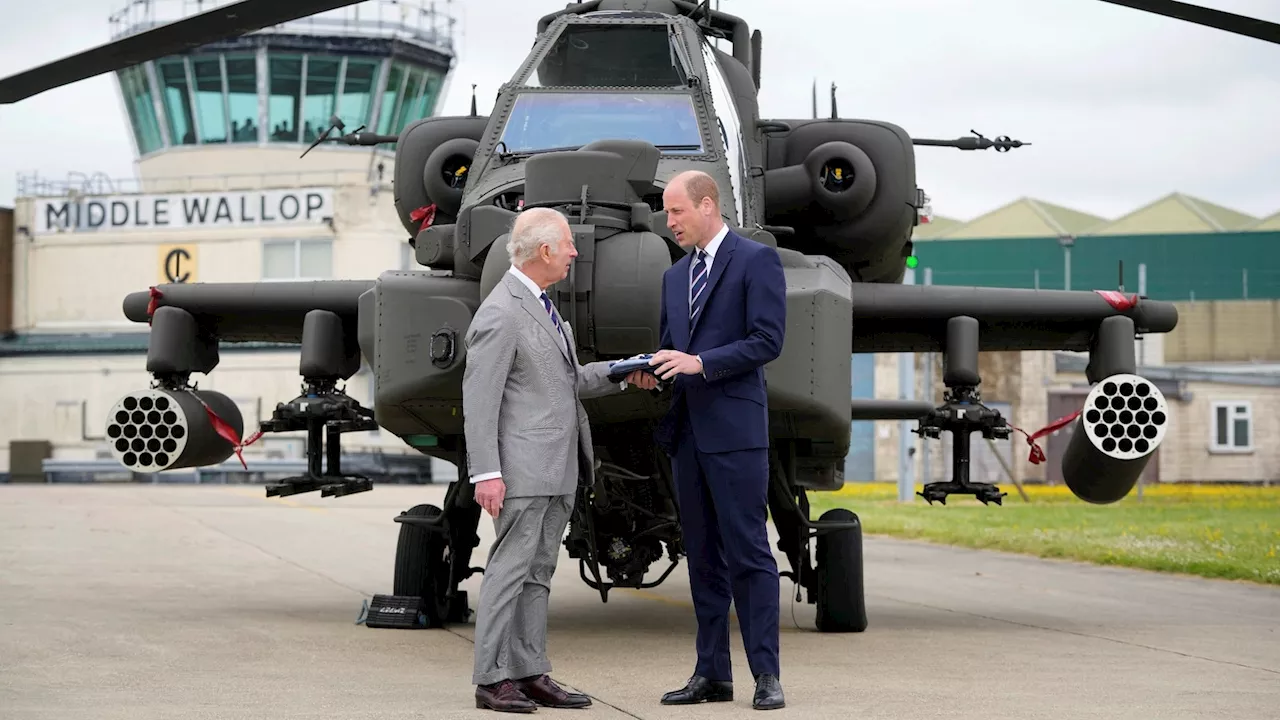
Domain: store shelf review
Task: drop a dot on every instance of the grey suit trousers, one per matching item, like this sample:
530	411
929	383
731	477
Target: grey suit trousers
511	617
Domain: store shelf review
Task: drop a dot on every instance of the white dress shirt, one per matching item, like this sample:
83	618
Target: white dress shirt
533	286
710	249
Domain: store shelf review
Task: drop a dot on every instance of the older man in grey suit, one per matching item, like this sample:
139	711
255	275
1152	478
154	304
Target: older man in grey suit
525	428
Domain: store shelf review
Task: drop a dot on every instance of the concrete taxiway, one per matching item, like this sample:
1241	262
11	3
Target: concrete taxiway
152	601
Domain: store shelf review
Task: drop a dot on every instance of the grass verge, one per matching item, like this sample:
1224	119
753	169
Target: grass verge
1212	531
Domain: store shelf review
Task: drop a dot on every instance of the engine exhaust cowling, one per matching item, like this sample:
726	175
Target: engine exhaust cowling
1124	419
154	430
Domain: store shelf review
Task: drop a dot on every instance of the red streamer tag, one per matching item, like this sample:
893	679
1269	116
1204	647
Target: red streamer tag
227	432
1036	455
153	303
1118	300
426	213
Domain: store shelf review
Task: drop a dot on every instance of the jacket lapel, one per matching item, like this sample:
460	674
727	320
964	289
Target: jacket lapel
534	307
718	265
678	306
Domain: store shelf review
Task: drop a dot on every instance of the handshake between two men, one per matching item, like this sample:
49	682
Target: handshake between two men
647	371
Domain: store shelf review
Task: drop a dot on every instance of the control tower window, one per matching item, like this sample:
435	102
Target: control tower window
356	105
142	113
321	95
542	120
284	101
212	112
392	92
411	102
242	97
610	55
177	101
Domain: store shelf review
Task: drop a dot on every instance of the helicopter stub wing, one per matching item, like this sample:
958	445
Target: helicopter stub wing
251	312
913	318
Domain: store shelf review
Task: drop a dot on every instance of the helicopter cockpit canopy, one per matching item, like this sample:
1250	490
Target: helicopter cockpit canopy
607	75
587	54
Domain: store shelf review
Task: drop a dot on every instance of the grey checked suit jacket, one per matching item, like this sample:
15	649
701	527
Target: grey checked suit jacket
520	395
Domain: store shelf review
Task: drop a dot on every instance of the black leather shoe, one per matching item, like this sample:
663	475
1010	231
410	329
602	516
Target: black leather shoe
700	690
503	697
768	693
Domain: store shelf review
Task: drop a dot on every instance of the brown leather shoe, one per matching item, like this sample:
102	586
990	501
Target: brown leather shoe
503	697
544	691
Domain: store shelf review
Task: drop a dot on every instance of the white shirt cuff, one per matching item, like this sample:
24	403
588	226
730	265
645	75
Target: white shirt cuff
485	476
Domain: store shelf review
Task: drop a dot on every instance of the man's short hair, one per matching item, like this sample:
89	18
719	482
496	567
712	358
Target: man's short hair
698	185
532	229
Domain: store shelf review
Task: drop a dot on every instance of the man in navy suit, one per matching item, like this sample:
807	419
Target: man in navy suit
724	313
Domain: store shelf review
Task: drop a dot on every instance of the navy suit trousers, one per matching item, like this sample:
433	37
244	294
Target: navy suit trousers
723	511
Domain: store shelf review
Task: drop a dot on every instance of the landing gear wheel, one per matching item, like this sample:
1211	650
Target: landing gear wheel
841	602
422	570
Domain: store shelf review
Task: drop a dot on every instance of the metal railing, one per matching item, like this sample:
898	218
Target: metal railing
380	468
87	185
413	20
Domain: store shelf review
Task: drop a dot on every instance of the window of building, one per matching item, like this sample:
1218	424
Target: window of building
355	104
1232	426
284	99
177	101
206	73
242	97
392	94
297	259
136	88
410	105
321	94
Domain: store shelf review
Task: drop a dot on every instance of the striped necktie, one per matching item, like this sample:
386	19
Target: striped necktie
697	298
546	303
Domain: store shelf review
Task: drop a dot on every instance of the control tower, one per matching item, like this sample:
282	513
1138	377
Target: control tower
220	195
252	104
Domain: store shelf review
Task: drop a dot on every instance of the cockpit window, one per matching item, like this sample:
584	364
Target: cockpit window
610	56
542	121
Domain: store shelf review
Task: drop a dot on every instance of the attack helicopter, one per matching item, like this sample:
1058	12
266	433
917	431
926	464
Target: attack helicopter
613	99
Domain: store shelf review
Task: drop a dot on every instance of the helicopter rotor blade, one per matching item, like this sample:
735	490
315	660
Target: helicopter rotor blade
1218	19
219	23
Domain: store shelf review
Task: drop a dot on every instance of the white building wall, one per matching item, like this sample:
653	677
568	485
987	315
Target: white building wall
75	282
78	280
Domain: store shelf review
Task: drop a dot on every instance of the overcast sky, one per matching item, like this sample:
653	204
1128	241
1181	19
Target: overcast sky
1122	107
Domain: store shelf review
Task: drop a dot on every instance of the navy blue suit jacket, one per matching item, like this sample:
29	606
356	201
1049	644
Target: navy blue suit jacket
740	329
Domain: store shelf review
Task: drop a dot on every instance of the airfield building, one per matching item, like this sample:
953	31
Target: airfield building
1219	369
221	195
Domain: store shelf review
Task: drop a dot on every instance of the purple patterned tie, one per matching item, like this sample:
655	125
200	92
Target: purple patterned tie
546	303
697	298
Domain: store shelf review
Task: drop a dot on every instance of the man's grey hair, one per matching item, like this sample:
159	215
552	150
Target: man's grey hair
532	229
